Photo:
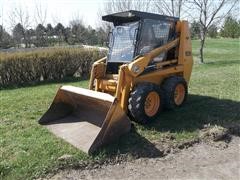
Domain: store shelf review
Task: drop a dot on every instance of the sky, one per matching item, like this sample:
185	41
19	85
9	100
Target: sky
57	10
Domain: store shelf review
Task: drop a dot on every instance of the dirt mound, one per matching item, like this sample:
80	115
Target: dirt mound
213	133
216	136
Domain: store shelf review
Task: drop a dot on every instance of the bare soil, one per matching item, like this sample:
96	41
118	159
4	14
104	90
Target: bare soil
204	160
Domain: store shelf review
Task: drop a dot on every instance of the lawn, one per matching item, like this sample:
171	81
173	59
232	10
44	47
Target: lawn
28	150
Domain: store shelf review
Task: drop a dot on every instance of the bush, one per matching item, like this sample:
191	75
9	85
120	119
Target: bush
48	64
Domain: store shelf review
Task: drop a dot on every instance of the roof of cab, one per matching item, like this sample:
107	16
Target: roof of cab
132	15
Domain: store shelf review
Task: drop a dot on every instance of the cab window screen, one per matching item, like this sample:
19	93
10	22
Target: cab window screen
122	43
155	33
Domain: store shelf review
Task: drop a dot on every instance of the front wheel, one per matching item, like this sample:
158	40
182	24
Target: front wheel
174	92
145	102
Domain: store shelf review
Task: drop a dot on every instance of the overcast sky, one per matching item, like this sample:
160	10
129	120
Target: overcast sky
57	10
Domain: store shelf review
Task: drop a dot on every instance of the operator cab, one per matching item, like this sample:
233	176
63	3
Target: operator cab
136	33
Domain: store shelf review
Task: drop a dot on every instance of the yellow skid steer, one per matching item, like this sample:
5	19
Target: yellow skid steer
147	69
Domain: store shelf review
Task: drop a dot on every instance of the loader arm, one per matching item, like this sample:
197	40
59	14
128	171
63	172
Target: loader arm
128	72
138	66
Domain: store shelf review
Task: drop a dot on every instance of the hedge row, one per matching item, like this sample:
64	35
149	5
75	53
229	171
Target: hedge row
51	64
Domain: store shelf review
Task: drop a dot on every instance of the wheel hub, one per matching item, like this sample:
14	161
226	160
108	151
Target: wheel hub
152	104
179	94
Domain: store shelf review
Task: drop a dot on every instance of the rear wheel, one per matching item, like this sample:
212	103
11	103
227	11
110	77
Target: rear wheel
145	102
174	92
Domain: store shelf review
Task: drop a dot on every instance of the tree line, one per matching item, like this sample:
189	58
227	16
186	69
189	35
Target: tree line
43	36
78	33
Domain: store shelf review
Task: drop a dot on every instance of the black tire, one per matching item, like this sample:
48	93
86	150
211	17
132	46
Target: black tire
137	102
168	87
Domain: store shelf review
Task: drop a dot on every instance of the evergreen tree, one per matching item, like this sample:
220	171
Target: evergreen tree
195	30
231	28
59	31
6	40
18	34
40	36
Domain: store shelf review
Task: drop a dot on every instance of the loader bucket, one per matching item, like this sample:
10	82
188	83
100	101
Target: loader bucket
86	119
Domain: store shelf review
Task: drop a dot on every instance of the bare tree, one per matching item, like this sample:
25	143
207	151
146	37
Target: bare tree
55	19
209	12
76	19
114	6
18	15
170	7
40	14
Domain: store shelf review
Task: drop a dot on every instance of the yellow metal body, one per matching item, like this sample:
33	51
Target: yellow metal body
88	119
130	74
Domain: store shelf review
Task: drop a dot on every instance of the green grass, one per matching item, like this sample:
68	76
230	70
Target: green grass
28	150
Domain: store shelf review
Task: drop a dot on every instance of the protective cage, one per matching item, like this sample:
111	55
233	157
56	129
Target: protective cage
137	33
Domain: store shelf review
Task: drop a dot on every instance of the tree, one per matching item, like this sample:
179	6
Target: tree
40	36
67	34
101	36
91	36
49	33
20	16
49	30
30	34
212	31
79	31
231	28
170	7
195	30
40	14
18	34
113	6
209	12
59	30
6	40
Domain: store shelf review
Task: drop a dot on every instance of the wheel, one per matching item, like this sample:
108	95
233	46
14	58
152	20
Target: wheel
145	102
174	92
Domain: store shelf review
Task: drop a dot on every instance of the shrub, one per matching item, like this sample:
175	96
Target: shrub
48	64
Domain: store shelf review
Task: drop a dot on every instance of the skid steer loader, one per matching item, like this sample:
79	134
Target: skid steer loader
147	68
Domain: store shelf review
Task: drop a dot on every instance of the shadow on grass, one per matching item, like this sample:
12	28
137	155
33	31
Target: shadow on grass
64	80
198	111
